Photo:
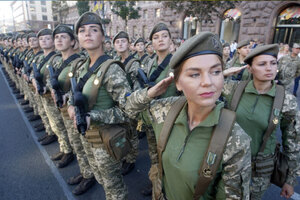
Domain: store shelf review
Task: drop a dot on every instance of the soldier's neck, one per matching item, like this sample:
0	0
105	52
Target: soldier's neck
124	55
161	56
262	87
66	54
141	53
94	55
241	58
36	50
47	51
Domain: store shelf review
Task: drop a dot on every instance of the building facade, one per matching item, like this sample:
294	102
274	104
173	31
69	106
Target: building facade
32	15
264	21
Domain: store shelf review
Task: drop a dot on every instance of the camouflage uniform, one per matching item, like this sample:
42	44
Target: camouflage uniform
290	134
234	173
288	70
73	134
53	114
116	86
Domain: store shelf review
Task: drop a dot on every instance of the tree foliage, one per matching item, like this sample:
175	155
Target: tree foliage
60	8
126	10
202	10
82	7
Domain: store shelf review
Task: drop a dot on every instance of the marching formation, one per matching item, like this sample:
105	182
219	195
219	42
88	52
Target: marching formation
210	117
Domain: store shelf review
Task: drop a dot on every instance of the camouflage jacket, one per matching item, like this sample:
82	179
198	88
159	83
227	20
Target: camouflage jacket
288	69
236	161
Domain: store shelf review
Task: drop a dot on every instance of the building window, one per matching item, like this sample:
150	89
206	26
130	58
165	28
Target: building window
145	14
145	31
230	27
43	2
44	9
45	18
55	18
33	17
157	12
287	28
32	9
134	31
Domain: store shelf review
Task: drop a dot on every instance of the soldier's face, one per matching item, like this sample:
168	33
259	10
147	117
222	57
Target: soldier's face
201	80
295	51
263	68
244	51
63	41
140	47
226	51
24	43
150	49
121	45
19	42
107	46
90	36
46	41
33	42
161	41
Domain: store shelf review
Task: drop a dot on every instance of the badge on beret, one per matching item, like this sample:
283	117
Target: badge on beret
215	43
70	74
96	81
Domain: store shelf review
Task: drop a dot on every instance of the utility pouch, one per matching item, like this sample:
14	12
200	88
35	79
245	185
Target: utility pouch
93	136
281	168
264	164
115	140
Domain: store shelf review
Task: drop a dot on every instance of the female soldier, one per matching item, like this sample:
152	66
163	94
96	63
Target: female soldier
104	111
253	112
198	74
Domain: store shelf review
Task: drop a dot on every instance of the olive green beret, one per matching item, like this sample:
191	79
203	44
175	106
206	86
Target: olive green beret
24	35
63	29
30	35
296	45
44	31
121	34
226	45
139	40
242	43
200	44
159	27
88	18
147	44
107	41
19	36
270	49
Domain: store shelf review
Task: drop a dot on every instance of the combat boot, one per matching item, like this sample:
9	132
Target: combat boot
16	91
28	109
57	156
65	160
19	96
42	137
33	117
74	180
84	185
127	167
49	139
40	128
24	102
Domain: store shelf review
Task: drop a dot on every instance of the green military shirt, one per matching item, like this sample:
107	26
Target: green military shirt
181	169
253	114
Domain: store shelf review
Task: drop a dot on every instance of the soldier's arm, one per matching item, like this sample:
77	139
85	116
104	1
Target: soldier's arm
237	165
291	136
133	75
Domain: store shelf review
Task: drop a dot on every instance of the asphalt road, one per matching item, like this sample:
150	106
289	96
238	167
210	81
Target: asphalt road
27	173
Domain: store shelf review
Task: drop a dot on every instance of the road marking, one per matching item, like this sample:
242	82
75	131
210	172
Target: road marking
46	156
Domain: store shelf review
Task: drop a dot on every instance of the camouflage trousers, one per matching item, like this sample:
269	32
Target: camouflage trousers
91	159
75	141
30	96
134	140
259	186
152	145
110	170
42	113
56	123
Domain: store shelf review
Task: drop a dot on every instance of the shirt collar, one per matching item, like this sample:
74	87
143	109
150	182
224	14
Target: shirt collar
251	89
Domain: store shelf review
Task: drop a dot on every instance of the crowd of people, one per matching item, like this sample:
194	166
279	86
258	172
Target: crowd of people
209	110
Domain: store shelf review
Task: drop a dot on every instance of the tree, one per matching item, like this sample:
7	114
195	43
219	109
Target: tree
82	7
126	10
202	10
61	9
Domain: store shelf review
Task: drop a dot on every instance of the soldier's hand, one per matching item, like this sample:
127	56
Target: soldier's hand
160	87
287	191
53	95
71	112
233	70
